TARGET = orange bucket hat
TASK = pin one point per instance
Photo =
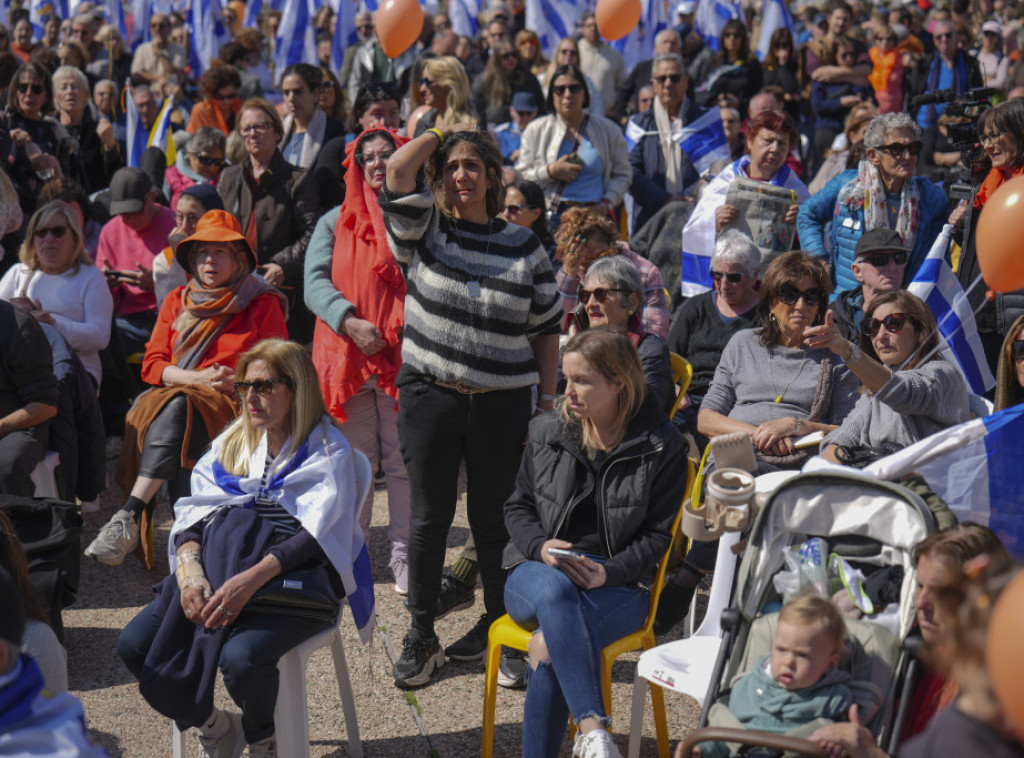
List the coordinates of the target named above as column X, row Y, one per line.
column 214, row 226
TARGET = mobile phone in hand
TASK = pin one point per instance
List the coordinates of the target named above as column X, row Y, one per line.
column 568, row 555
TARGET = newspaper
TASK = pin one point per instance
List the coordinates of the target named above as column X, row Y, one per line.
column 763, row 208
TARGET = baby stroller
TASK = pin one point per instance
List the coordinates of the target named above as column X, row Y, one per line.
column 871, row 524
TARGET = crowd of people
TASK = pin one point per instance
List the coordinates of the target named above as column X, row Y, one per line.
column 473, row 258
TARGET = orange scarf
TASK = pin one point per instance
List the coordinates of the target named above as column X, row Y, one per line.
column 993, row 181
column 364, row 269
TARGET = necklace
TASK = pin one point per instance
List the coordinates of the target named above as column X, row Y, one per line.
column 771, row 374
column 473, row 285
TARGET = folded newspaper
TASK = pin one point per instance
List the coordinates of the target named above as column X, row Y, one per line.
column 763, row 208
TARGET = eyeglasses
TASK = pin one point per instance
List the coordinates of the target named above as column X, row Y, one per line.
column 733, row 277
column 880, row 259
column 327, row 84
column 782, row 46
column 573, row 89
column 789, row 295
column 206, row 160
column 893, row 324
column 426, row 82
column 510, row 57
column 991, row 137
column 601, row 293
column 365, row 27
column 263, row 387
column 944, row 35
column 516, row 207
column 366, row 159
column 568, row 51
column 1018, row 349
column 256, row 129
column 224, row 98
column 57, row 232
column 25, row 88
column 897, row 149
column 674, row 78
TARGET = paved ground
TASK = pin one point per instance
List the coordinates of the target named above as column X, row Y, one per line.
column 443, row 719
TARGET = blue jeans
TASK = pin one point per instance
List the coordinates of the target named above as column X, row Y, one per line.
column 577, row 624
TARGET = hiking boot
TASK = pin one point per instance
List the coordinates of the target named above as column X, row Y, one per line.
column 595, row 744
column 455, row 595
column 673, row 605
column 473, row 644
column 512, row 668
column 264, row 748
column 116, row 539
column 228, row 745
column 419, row 660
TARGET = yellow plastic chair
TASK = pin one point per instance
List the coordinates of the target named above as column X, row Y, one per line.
column 682, row 375
column 506, row 632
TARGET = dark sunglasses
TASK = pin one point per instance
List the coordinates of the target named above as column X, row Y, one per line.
column 789, row 295
column 896, row 149
column 674, row 78
column 1018, row 349
column 57, row 232
column 510, row 56
column 893, row 324
column 425, row 82
column 601, row 293
column 263, row 387
column 363, row 159
column 206, row 160
column 327, row 84
column 365, row 26
column 783, row 46
column 227, row 97
column 516, row 207
column 880, row 259
column 37, row 89
column 735, row 278
column 574, row 89
column 946, row 35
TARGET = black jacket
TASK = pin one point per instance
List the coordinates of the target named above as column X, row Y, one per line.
column 641, row 486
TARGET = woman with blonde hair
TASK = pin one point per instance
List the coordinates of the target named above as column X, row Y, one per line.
column 58, row 284
column 445, row 88
column 504, row 75
column 528, row 45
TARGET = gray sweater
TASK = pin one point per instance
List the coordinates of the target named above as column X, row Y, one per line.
column 913, row 405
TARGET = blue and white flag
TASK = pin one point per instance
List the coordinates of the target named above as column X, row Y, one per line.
column 463, row 14
column 976, row 468
column 296, row 37
column 774, row 15
column 115, row 16
column 136, row 138
column 553, row 20
column 936, row 284
column 38, row 10
column 344, row 33
column 711, row 17
column 141, row 12
column 208, row 33
column 703, row 140
column 638, row 45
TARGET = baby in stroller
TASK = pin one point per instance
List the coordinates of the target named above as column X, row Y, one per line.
column 798, row 685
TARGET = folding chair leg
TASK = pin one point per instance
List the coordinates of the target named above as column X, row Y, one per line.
column 660, row 726
column 178, row 737
column 636, row 716
column 348, row 703
column 490, row 700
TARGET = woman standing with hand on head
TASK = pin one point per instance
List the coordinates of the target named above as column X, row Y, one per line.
column 481, row 330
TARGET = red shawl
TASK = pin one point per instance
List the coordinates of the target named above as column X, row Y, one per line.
column 994, row 181
column 364, row 269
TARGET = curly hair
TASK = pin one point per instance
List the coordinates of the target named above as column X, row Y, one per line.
column 583, row 222
column 790, row 268
column 486, row 147
column 217, row 78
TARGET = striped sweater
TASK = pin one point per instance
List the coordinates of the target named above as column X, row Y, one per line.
column 477, row 294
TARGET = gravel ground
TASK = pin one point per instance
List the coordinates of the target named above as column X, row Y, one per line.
column 442, row 719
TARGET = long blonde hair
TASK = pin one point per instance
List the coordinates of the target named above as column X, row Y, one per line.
column 447, row 71
column 27, row 254
column 290, row 361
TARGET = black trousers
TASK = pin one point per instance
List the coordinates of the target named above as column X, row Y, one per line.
column 438, row 427
column 161, row 447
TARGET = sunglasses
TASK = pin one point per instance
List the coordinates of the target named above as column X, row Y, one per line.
column 263, row 387
column 36, row 89
column 732, row 35
column 228, row 97
column 327, row 84
column 601, row 293
column 573, row 89
column 1018, row 349
column 789, row 295
column 530, row 42
column 206, row 160
column 735, row 278
column 365, row 159
column 946, row 35
column 674, row 78
column 516, row 207
column 256, row 128
column 365, row 27
column 510, row 57
column 57, row 232
column 426, row 82
column 880, row 259
column 886, row 39
column 893, row 324
column 897, row 149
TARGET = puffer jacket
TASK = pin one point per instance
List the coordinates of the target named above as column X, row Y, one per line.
column 641, row 489
column 848, row 226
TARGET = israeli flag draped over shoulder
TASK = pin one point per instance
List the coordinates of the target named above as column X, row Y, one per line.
column 703, row 141
column 936, row 284
column 711, row 17
column 774, row 15
column 309, row 485
column 699, row 233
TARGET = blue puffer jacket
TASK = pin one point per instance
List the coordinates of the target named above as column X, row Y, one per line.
column 848, row 226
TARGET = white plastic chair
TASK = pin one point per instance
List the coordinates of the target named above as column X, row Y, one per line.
column 291, row 714
column 686, row 666
column 44, row 476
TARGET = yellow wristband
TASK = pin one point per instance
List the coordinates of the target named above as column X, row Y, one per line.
column 439, row 134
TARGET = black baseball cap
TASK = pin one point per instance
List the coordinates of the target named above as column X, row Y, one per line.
column 880, row 241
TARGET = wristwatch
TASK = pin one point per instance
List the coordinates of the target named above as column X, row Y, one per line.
column 855, row 354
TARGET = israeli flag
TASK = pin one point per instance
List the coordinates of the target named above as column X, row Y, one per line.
column 344, row 33
column 208, row 33
column 704, row 140
column 936, row 284
column 141, row 12
column 40, row 9
column 137, row 139
column 635, row 133
column 296, row 38
column 976, row 468
column 774, row 15
column 463, row 14
column 711, row 17
column 553, row 20
column 639, row 43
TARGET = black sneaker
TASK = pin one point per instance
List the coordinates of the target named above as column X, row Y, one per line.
column 512, row 668
column 673, row 605
column 473, row 644
column 419, row 660
column 454, row 596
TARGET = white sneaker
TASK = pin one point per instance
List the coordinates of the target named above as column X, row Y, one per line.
column 116, row 539
column 230, row 745
column 595, row 744
column 400, row 569
column 264, row 748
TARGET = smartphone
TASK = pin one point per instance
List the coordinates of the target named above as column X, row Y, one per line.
column 582, row 319
column 569, row 555
column 574, row 158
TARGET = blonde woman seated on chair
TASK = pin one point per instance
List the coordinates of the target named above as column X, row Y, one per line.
column 605, row 430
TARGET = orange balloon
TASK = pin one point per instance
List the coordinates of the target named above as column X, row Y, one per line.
column 1002, row 655
column 398, row 23
column 617, row 18
column 1000, row 231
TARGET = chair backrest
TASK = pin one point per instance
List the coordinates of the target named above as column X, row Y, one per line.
column 682, row 374
column 659, row 579
column 364, row 478
column 721, row 586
